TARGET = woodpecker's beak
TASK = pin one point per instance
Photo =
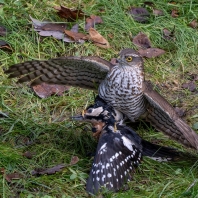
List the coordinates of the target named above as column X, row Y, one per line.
column 79, row 117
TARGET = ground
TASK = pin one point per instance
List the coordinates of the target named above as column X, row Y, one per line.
column 43, row 126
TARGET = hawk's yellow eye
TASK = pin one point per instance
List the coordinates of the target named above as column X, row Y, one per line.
column 129, row 58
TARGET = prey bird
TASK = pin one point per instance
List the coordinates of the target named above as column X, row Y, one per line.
column 122, row 86
column 119, row 150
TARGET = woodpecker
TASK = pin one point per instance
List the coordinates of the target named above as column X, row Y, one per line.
column 120, row 149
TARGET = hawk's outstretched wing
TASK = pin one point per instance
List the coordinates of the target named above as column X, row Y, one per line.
column 85, row 72
column 163, row 116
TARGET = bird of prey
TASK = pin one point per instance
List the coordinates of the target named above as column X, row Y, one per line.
column 119, row 148
column 122, row 86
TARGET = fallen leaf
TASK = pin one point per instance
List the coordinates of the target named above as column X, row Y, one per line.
column 29, row 154
column 96, row 19
column 191, row 86
column 45, row 90
column 3, row 31
column 180, row 112
column 9, row 177
column 46, row 28
column 69, row 14
column 74, row 28
column 157, row 12
column 5, row 46
column 174, row 13
column 48, row 171
column 151, row 52
column 193, row 24
column 139, row 14
column 47, row 25
column 142, row 41
column 91, row 21
column 74, row 160
column 169, row 35
column 54, row 27
column 98, row 39
column 76, row 36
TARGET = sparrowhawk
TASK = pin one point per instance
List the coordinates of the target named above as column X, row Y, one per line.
column 122, row 86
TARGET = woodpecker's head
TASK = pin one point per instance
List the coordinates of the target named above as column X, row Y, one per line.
column 99, row 115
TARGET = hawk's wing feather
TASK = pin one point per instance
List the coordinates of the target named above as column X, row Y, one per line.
column 85, row 72
column 163, row 116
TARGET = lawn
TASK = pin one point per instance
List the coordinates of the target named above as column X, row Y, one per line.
column 43, row 127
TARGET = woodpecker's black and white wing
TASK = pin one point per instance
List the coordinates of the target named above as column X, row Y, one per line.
column 85, row 72
column 113, row 164
column 163, row 116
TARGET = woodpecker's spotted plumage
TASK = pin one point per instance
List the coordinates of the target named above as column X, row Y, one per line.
column 119, row 149
column 122, row 86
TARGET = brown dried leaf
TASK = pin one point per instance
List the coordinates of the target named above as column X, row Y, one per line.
column 151, row 52
column 98, row 39
column 191, row 86
column 174, row 13
column 29, row 154
column 5, row 46
column 96, row 19
column 157, row 12
column 74, row 160
column 76, row 36
column 3, row 31
column 45, row 90
column 69, row 14
column 193, row 24
column 169, row 35
column 9, row 177
column 139, row 14
column 48, row 171
column 142, row 41
column 54, row 27
column 91, row 21
column 46, row 28
column 75, row 28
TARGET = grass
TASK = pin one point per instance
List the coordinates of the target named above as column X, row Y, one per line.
column 33, row 123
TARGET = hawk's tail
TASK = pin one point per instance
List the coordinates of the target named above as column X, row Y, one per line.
column 160, row 153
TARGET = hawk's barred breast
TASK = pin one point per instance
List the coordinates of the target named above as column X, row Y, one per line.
column 122, row 89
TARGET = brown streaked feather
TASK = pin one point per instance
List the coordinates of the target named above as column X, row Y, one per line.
column 85, row 72
column 163, row 116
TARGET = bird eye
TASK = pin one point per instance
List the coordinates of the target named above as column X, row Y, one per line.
column 129, row 58
column 90, row 110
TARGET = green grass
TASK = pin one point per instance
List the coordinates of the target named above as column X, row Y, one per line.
column 35, row 120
